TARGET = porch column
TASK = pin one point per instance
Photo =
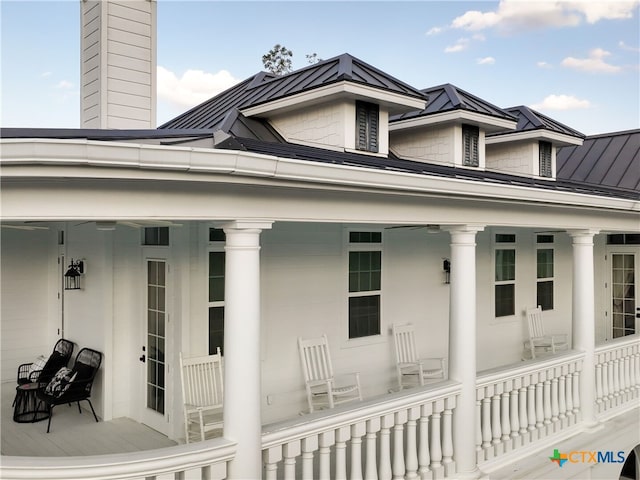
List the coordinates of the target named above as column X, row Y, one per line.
column 462, row 345
column 583, row 317
column 242, row 382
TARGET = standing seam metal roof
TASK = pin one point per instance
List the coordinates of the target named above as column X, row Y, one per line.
column 529, row 119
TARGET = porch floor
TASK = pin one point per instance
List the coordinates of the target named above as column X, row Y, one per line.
column 72, row 433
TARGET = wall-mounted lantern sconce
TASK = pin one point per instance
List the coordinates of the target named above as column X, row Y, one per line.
column 446, row 267
column 73, row 275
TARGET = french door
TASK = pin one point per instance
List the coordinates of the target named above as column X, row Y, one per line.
column 154, row 354
column 624, row 293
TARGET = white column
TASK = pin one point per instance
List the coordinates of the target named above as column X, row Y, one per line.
column 462, row 345
column 242, row 421
column 583, row 317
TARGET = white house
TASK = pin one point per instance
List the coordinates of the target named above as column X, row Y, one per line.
column 325, row 201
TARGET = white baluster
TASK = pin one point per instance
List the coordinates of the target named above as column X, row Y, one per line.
column 612, row 388
column 447, row 433
column 342, row 437
column 495, row 419
column 478, row 424
column 398, row 445
column 436, row 448
column 290, row 451
column 576, row 392
column 504, row 416
column 271, row 457
column 514, row 412
column 309, row 445
column 522, row 409
column 370, row 470
column 384, row 462
column 569, row 391
column 486, row 420
column 554, row 399
column 327, row 439
column 562, row 402
column 424, row 459
column 357, row 431
column 616, row 381
column 411, row 460
column 531, row 406
column 546, row 390
column 627, row 373
column 599, row 385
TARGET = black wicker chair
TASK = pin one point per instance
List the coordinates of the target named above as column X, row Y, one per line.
column 78, row 388
column 59, row 358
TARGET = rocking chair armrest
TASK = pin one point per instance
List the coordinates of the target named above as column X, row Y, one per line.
column 558, row 338
column 23, row 371
column 439, row 360
column 317, row 383
column 355, row 375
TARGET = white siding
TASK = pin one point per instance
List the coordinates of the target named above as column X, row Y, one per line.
column 512, row 157
column 432, row 145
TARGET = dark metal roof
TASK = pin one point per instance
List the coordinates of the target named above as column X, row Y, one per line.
column 529, row 119
column 265, row 87
column 447, row 97
column 393, row 163
column 610, row 160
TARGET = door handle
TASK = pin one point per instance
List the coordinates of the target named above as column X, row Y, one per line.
column 143, row 358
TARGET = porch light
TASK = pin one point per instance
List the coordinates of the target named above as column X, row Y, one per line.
column 73, row 275
column 446, row 267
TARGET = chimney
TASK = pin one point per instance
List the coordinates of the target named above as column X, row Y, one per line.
column 118, row 71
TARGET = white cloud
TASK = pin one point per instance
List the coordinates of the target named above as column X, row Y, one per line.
column 543, row 65
column 594, row 64
column 561, row 102
column 459, row 46
column 486, row 61
column 194, row 87
column 434, row 31
column 629, row 48
column 512, row 15
column 64, row 85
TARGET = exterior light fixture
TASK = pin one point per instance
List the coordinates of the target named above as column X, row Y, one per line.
column 446, row 267
column 73, row 275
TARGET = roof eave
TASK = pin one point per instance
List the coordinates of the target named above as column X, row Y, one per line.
column 487, row 122
column 558, row 139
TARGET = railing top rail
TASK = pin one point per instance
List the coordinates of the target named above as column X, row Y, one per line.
column 618, row 343
column 147, row 463
column 344, row 415
column 508, row 372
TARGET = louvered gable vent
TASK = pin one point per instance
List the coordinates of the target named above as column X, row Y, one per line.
column 367, row 125
column 470, row 138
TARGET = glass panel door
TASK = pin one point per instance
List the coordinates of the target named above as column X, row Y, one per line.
column 155, row 341
column 623, row 294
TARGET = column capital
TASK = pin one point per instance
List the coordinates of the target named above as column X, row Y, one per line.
column 582, row 233
column 467, row 228
column 246, row 225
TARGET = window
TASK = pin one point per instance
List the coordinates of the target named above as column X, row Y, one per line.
column 156, row 236
column 505, row 275
column 470, row 139
column 545, row 159
column 365, row 278
column 367, row 121
column 623, row 239
column 545, row 272
column 216, row 289
column 623, row 297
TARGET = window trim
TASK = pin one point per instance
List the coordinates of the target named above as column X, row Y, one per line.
column 504, row 245
column 361, row 247
column 546, row 246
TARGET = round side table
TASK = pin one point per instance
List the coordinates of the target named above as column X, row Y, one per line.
column 28, row 408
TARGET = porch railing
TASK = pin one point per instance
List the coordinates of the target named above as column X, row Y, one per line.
column 519, row 405
column 405, row 435
column 205, row 460
column 617, row 375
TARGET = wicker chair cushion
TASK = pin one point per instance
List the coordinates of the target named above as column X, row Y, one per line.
column 60, row 382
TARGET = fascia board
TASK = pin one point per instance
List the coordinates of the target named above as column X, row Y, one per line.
column 72, row 153
column 487, row 122
column 329, row 92
column 542, row 134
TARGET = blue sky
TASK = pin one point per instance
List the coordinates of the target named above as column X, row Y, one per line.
column 577, row 62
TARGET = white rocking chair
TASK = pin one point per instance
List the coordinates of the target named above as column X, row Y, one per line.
column 202, row 393
column 413, row 371
column 322, row 389
column 540, row 343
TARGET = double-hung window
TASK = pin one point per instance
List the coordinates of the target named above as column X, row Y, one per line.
column 367, row 126
column 545, row 159
column 505, row 275
column 215, row 275
column 365, row 283
column 544, row 271
column 470, row 141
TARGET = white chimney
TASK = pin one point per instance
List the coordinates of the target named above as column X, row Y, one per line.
column 118, row 57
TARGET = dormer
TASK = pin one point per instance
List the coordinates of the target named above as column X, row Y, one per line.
column 340, row 104
column 530, row 150
column 450, row 130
